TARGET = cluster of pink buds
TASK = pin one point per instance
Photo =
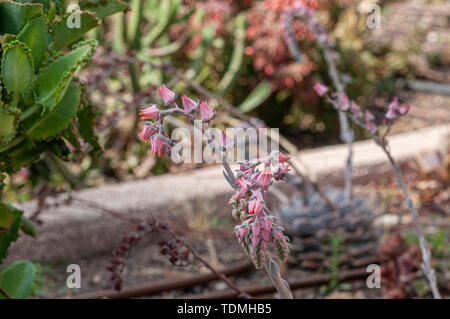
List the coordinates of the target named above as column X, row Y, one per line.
column 364, row 119
column 259, row 230
column 153, row 116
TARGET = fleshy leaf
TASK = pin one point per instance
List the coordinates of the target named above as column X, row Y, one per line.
column 34, row 36
column 14, row 16
column 62, row 35
column 27, row 227
column 5, row 217
column 56, row 120
column 9, row 236
column 107, row 9
column 17, row 280
column 86, row 124
column 6, row 124
column 54, row 79
column 17, row 67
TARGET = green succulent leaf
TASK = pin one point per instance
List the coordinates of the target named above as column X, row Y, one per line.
column 17, row 68
column 62, row 35
column 107, row 9
column 17, row 280
column 27, row 227
column 86, row 125
column 14, row 15
column 6, row 124
column 259, row 94
column 55, row 121
column 23, row 155
column 54, row 79
column 34, row 36
column 10, row 235
column 6, row 218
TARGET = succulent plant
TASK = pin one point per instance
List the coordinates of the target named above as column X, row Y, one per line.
column 42, row 103
column 313, row 226
column 40, row 97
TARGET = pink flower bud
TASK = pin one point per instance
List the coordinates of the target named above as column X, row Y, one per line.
column 404, row 109
column 225, row 141
column 265, row 178
column 206, row 113
column 356, row 110
column 146, row 133
column 243, row 183
column 320, row 89
column 345, row 103
column 391, row 114
column 372, row 128
column 167, row 95
column 189, row 105
column 394, row 104
column 158, row 146
column 284, row 169
column 282, row 158
column 369, row 116
column 150, row 113
column 254, row 207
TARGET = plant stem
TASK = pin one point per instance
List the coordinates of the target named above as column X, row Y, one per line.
column 4, row 293
column 280, row 284
column 426, row 254
column 28, row 112
column 347, row 135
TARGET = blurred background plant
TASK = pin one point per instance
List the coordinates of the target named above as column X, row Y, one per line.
column 234, row 49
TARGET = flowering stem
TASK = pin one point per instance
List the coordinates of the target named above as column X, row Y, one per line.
column 347, row 135
column 280, row 284
column 426, row 254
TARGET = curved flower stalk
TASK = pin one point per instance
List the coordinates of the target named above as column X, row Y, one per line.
column 378, row 132
column 299, row 10
column 259, row 232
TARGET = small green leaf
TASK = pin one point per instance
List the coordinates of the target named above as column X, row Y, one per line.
column 34, row 36
column 256, row 97
column 27, row 227
column 86, row 125
column 9, row 236
column 17, row 280
column 55, row 121
column 62, row 35
column 17, row 68
column 54, row 79
column 111, row 7
column 6, row 124
column 6, row 218
column 14, row 16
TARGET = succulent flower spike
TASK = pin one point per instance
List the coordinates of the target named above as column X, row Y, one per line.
column 189, row 105
column 167, row 95
column 206, row 113
column 150, row 113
